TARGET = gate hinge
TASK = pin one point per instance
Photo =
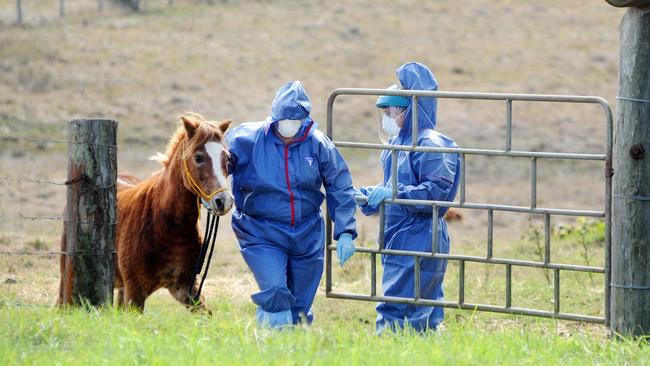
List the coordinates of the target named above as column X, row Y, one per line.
column 609, row 171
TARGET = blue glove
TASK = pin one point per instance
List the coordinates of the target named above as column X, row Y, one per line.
column 378, row 195
column 344, row 248
column 363, row 192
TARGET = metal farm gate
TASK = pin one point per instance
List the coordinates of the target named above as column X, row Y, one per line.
column 534, row 157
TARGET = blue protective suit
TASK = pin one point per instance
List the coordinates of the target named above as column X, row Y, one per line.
column 421, row 176
column 277, row 217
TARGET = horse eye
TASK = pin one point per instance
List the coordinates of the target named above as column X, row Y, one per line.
column 198, row 159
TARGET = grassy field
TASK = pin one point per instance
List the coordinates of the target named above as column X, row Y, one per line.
column 31, row 332
column 168, row 335
column 225, row 59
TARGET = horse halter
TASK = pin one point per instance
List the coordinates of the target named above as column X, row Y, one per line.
column 196, row 189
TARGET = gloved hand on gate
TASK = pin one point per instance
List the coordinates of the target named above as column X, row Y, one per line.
column 344, row 248
column 360, row 193
column 363, row 192
column 378, row 195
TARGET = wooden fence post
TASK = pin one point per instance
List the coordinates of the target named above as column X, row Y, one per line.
column 88, row 268
column 19, row 11
column 61, row 8
column 630, row 258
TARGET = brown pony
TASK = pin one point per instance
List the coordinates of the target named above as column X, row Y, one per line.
column 158, row 239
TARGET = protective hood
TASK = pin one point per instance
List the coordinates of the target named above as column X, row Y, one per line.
column 415, row 76
column 291, row 102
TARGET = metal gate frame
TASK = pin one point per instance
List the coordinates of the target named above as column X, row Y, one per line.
column 488, row 258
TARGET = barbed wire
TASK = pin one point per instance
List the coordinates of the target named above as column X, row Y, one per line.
column 65, row 183
column 83, row 177
column 6, row 137
column 56, row 253
column 23, row 217
column 53, row 218
column 32, row 180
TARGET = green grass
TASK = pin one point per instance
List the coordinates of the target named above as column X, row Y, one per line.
column 170, row 335
column 343, row 333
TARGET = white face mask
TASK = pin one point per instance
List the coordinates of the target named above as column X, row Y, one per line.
column 289, row 127
column 389, row 124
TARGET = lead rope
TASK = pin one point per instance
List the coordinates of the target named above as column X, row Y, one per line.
column 211, row 227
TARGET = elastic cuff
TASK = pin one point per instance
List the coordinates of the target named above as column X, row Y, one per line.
column 274, row 299
column 353, row 235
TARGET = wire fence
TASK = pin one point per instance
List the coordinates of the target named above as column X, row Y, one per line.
column 28, row 259
column 6, row 138
column 25, row 253
column 24, row 8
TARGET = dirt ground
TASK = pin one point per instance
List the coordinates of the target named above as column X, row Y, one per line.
column 225, row 59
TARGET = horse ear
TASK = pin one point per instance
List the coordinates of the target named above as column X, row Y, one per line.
column 190, row 126
column 223, row 126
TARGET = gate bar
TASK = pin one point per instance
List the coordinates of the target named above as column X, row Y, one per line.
column 373, row 274
column 484, row 152
column 485, row 206
column 328, row 254
column 468, row 306
column 533, row 182
column 382, row 223
column 434, row 229
column 416, row 281
column 393, row 172
column 414, row 121
column 461, row 281
column 490, row 233
column 462, row 178
column 471, row 258
column 466, row 95
column 556, row 291
column 508, row 286
column 508, row 124
column 547, row 238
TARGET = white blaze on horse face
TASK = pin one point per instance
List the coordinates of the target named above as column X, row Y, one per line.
column 215, row 150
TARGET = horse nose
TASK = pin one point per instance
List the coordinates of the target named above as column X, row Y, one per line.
column 221, row 203
column 218, row 204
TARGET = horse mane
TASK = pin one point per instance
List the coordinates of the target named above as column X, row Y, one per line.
column 204, row 131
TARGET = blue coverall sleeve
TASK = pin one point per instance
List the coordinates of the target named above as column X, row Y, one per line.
column 240, row 142
column 338, row 188
column 436, row 173
column 365, row 208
